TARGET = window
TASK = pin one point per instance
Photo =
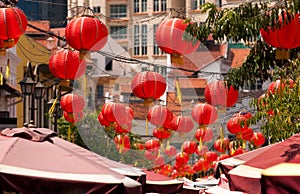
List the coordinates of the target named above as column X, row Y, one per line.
column 108, row 64
column 97, row 9
column 155, row 5
column 196, row 4
column 156, row 49
column 99, row 91
column 162, row 3
column 144, row 39
column 144, row 5
column 118, row 32
column 140, row 40
column 138, row 4
column 136, row 50
column 118, row 11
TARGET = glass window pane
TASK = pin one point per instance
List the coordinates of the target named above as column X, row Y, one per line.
column 163, row 5
column 118, row 11
column 136, row 5
column 155, row 5
column 144, row 5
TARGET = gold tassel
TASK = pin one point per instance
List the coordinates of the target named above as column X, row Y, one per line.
column 7, row 71
column 178, row 91
column 52, row 107
column 69, row 133
column 1, row 79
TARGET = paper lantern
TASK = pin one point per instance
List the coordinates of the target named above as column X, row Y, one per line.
column 159, row 115
column 149, row 86
column 217, row 94
column 204, row 114
column 13, row 24
column 66, row 64
column 73, row 117
column 287, row 36
column 170, row 36
column 72, row 103
column 86, row 34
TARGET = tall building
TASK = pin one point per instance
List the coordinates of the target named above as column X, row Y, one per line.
column 54, row 11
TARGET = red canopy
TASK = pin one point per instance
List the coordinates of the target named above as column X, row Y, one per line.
column 275, row 167
column 35, row 160
column 159, row 183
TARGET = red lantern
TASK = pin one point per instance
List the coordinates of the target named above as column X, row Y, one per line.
column 149, row 86
column 138, row 146
column 287, row 36
column 151, row 155
column 86, row 34
column 204, row 114
column 160, row 116
column 116, row 112
column 72, row 103
column 278, row 86
column 216, row 93
column 161, row 133
column 258, row 139
column 159, row 161
column 201, row 150
column 102, row 120
column 182, row 158
column 201, row 165
column 223, row 157
column 125, row 128
column 247, row 134
column 189, row 147
column 170, row 151
column 234, row 124
column 169, row 38
column 222, row 144
column 204, row 134
column 261, row 103
column 182, row 124
column 13, row 24
column 122, row 140
column 211, row 156
column 152, row 145
column 66, row 64
column 73, row 117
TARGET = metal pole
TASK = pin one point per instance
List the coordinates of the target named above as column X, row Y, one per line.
column 32, row 108
column 24, row 108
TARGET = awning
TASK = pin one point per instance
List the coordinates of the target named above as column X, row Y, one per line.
column 13, row 92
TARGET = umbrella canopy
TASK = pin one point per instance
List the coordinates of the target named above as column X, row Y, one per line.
column 263, row 169
column 228, row 164
column 35, row 160
column 158, row 183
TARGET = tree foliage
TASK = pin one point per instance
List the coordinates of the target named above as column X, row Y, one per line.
column 243, row 24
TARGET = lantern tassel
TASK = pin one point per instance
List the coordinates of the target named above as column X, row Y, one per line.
column 7, row 70
column 69, row 133
column 1, row 79
column 178, row 91
column 147, row 130
column 52, row 107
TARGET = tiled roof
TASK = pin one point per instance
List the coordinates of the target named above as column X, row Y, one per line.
column 192, row 83
column 199, row 59
column 237, row 56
